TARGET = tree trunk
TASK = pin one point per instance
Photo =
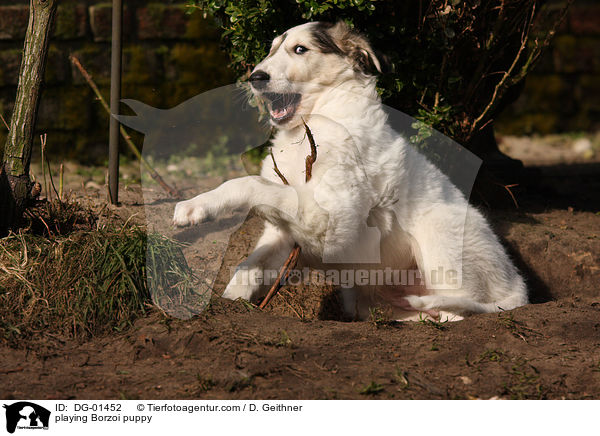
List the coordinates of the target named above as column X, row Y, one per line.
column 15, row 184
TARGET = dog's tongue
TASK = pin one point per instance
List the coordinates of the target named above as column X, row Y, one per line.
column 280, row 112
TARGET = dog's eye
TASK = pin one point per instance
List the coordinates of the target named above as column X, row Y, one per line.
column 300, row 49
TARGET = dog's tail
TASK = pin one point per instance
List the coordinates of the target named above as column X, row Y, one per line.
column 463, row 305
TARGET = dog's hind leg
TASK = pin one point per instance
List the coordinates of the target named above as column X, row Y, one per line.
column 461, row 305
column 464, row 265
column 261, row 266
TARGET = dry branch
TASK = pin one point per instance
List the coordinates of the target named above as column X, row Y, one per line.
column 312, row 157
column 284, row 272
column 174, row 193
column 511, row 77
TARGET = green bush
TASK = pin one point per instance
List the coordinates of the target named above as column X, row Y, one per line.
column 454, row 64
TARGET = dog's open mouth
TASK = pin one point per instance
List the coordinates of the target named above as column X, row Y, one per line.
column 282, row 106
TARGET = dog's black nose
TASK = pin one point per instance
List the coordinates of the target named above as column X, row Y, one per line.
column 259, row 79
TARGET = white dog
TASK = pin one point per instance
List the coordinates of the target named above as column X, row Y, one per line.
column 372, row 201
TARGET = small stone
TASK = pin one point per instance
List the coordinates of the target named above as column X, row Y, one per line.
column 466, row 380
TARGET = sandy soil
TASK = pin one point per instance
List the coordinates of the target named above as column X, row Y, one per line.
column 300, row 348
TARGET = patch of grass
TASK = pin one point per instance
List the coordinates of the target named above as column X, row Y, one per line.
column 372, row 389
column 284, row 340
column 524, row 383
column 492, row 356
column 522, row 378
column 517, row 329
column 376, row 315
column 246, row 304
column 170, row 280
column 439, row 325
column 56, row 217
column 206, row 382
column 381, row 317
column 508, row 320
column 88, row 282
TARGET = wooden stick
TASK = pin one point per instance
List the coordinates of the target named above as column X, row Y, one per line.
column 292, row 259
column 312, row 157
column 284, row 272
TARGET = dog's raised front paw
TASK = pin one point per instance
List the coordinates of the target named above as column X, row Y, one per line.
column 189, row 212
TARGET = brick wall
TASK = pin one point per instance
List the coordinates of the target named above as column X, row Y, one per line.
column 563, row 92
column 168, row 57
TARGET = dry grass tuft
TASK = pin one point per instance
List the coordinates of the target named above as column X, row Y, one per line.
column 89, row 282
column 55, row 217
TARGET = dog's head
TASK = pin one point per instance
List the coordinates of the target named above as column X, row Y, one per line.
column 303, row 62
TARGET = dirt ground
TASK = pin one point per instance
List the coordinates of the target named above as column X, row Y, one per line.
column 300, row 348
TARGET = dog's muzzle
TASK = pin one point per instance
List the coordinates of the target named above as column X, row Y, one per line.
column 259, row 79
column 281, row 106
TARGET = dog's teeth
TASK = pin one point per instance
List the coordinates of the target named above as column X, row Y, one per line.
column 280, row 113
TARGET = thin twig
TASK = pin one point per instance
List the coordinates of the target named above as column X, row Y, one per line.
column 276, row 169
column 153, row 173
column 43, row 150
column 43, row 138
column 34, row 216
column 60, row 181
column 292, row 307
column 509, row 79
column 535, row 54
column 500, row 85
column 507, row 187
column 4, row 121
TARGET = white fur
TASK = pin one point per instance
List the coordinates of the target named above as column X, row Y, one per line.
column 363, row 169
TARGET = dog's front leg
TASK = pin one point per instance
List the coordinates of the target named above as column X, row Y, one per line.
column 243, row 193
column 261, row 267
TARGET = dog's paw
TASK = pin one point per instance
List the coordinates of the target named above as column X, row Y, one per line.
column 190, row 212
column 418, row 302
column 243, row 284
column 233, row 292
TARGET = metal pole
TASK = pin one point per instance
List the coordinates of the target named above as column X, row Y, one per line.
column 115, row 97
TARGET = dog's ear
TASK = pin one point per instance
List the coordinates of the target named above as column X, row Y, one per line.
column 357, row 49
column 365, row 60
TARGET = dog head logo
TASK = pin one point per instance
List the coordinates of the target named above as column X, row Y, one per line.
column 26, row 415
column 219, row 117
